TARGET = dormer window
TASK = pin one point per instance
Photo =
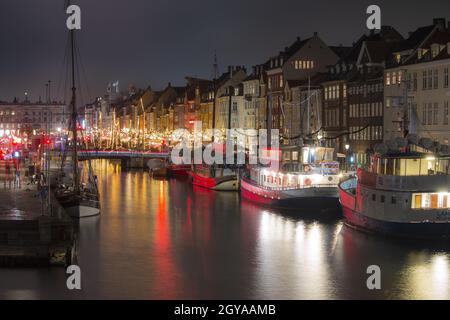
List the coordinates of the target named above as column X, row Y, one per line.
column 421, row 52
column 435, row 49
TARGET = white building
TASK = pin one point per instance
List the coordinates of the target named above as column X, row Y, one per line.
column 32, row 118
column 416, row 90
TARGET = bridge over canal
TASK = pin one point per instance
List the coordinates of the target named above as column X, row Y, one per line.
column 129, row 159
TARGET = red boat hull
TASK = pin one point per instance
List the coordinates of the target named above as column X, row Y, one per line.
column 226, row 183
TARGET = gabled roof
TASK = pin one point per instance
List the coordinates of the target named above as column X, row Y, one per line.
column 341, row 51
column 415, row 38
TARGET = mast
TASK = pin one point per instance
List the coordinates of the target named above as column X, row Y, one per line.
column 216, row 74
column 76, row 177
column 308, row 111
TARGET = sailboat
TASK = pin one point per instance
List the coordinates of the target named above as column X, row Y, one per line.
column 78, row 200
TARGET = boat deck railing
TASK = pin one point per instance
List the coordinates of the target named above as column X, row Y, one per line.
column 290, row 187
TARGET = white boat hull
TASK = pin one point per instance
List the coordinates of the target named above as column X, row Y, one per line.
column 82, row 211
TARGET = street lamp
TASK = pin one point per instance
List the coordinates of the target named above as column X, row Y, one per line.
column 347, row 146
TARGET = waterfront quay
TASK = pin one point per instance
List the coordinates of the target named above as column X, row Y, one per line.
column 30, row 234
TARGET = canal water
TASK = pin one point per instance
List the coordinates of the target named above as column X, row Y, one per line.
column 164, row 239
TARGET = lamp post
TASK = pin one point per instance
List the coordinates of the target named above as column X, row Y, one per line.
column 347, row 147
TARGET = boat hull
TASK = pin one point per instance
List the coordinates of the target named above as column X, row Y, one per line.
column 397, row 229
column 178, row 170
column 226, row 183
column 323, row 199
column 78, row 207
column 349, row 191
column 82, row 211
column 159, row 172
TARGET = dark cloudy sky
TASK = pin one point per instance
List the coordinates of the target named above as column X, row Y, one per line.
column 145, row 42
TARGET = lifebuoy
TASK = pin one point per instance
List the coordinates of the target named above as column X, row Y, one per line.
column 308, row 181
column 307, row 168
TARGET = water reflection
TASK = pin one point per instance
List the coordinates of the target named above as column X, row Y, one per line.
column 164, row 239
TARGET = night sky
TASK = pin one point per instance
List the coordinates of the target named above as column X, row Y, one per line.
column 152, row 42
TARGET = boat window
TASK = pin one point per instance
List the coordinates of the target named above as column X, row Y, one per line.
column 430, row 200
column 412, row 167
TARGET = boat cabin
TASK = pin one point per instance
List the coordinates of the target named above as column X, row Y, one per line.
column 410, row 164
column 300, row 167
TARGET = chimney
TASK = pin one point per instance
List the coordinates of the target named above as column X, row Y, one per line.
column 440, row 22
column 315, row 34
column 299, row 39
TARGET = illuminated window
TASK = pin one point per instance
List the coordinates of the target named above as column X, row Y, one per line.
column 430, row 200
column 388, row 78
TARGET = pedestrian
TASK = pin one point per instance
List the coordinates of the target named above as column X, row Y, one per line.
column 8, row 174
column 17, row 180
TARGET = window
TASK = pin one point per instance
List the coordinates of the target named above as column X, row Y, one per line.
column 436, row 79
column 430, row 113
column 393, row 200
column 424, row 80
column 382, row 198
column 408, row 81
column 388, row 78
column 415, row 81
column 430, row 200
column 446, row 78
column 430, row 79
column 445, row 112
column 435, row 113
column 303, row 64
column 424, row 114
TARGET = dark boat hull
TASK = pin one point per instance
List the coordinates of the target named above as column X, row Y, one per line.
column 325, row 200
column 178, row 170
column 420, row 230
column 79, row 207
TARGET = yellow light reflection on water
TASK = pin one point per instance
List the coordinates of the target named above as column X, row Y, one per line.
column 427, row 279
column 288, row 247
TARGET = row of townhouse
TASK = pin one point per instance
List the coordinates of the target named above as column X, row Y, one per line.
column 349, row 97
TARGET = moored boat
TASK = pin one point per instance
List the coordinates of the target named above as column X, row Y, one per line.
column 304, row 181
column 78, row 200
column 404, row 194
column 219, row 177
column 175, row 170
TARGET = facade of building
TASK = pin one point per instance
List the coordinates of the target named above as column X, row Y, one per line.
column 228, row 83
column 32, row 118
column 302, row 60
column 416, row 89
